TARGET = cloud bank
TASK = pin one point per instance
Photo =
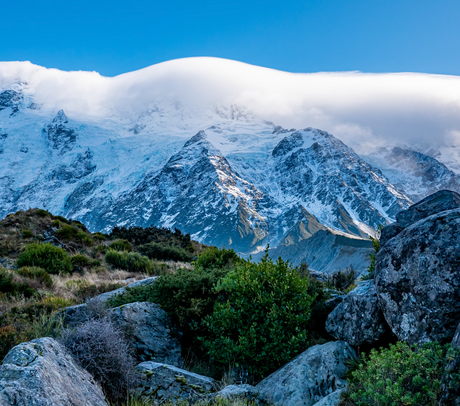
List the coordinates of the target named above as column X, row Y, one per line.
column 364, row 110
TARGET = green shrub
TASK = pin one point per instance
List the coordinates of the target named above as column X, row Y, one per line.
column 80, row 260
column 319, row 310
column 213, row 257
column 165, row 252
column 42, row 213
column 130, row 261
column 34, row 272
column 53, row 259
column 100, row 236
column 401, row 375
column 122, row 245
column 67, row 231
column 84, row 238
column 61, row 219
column 11, row 288
column 187, row 295
column 263, row 323
column 27, row 234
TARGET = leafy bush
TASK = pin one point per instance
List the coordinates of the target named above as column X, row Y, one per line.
column 213, row 257
column 39, row 274
column 61, row 219
column 101, row 348
column 80, row 260
column 401, row 375
column 99, row 236
column 165, row 252
column 27, row 234
column 67, row 231
column 187, row 295
column 11, row 288
column 122, row 245
column 130, row 261
column 42, row 213
column 319, row 310
column 139, row 235
column 84, row 238
column 53, row 259
column 264, row 321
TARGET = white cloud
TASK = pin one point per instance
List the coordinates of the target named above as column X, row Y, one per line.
column 364, row 110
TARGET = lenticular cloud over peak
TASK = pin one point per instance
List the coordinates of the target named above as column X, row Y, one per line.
column 365, row 110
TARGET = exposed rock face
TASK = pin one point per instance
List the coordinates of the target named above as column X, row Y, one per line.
column 42, row 373
column 60, row 135
column 75, row 315
column 435, row 203
column 245, row 391
column 331, row 400
column 456, row 339
column 390, row 231
column 327, row 252
column 308, row 378
column 150, row 332
column 161, row 382
column 358, row 318
column 417, row 272
column 10, row 98
column 104, row 297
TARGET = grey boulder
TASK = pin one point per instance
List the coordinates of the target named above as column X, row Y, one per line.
column 310, row 377
column 150, row 332
column 161, row 382
column 433, row 204
column 417, row 279
column 42, row 373
column 104, row 297
column 358, row 318
column 331, row 400
column 244, row 391
column 74, row 315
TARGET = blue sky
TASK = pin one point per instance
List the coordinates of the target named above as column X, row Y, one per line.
column 114, row 37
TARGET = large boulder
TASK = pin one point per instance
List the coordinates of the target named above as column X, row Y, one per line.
column 433, row 204
column 309, row 377
column 104, row 297
column 417, row 277
column 331, row 400
column 42, row 373
column 150, row 332
column 234, row 392
column 161, row 382
column 358, row 318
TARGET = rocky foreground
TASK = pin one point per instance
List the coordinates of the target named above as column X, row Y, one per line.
column 414, row 297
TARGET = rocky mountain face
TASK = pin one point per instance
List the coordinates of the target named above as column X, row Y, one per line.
column 238, row 181
column 417, row 175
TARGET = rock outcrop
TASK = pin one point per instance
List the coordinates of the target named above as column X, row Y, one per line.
column 161, row 382
column 244, row 391
column 417, row 274
column 150, row 332
column 104, row 297
column 331, row 400
column 358, row 318
column 310, row 377
column 42, row 373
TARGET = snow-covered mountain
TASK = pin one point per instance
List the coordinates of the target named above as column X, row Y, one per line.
column 143, row 149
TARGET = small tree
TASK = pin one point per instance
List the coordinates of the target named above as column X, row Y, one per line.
column 264, row 321
column 376, row 244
